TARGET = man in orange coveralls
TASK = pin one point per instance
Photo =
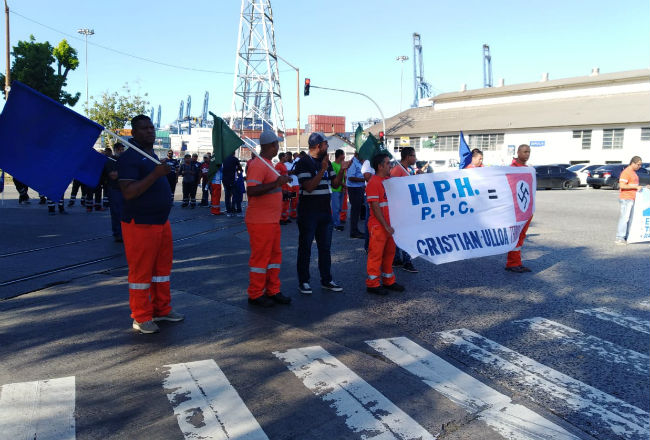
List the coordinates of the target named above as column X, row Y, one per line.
column 381, row 247
column 281, row 168
column 146, row 231
column 263, row 224
column 513, row 263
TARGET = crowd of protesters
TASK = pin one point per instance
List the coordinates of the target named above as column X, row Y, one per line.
column 320, row 195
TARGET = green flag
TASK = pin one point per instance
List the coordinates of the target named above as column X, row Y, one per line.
column 358, row 138
column 224, row 143
column 369, row 148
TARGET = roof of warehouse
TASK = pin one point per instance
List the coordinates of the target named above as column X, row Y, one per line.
column 580, row 111
column 549, row 85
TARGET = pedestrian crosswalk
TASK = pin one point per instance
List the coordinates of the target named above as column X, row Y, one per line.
column 533, row 401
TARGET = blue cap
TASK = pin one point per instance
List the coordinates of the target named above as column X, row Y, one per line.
column 315, row 139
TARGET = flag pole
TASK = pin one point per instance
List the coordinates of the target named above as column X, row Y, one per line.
column 130, row 145
column 256, row 154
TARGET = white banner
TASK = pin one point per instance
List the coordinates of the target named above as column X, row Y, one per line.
column 640, row 226
column 462, row 214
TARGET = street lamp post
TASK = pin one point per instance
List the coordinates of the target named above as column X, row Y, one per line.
column 85, row 32
column 298, row 97
column 401, row 58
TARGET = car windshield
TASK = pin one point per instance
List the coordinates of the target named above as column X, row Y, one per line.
column 575, row 167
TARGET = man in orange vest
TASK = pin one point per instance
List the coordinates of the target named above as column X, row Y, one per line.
column 513, row 263
column 263, row 224
column 628, row 183
column 381, row 246
column 281, row 168
column 146, row 231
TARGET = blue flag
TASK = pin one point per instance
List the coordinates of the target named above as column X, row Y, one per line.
column 464, row 153
column 91, row 169
column 43, row 143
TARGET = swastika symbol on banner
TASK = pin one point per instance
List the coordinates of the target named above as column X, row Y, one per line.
column 523, row 195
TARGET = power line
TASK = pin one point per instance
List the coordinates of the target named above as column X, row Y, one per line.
column 120, row 52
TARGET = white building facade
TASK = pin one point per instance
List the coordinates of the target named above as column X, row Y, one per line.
column 599, row 119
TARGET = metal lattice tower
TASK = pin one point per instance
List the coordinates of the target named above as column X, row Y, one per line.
column 421, row 88
column 487, row 66
column 256, row 101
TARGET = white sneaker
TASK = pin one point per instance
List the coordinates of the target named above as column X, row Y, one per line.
column 304, row 288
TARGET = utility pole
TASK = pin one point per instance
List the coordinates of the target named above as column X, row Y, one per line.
column 85, row 32
column 401, row 58
column 7, row 76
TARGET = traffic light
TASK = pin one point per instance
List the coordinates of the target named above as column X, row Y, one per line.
column 381, row 137
column 307, row 82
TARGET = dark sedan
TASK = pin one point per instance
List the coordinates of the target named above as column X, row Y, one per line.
column 608, row 175
column 555, row 176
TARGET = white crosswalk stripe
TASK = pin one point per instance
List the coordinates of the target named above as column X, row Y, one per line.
column 512, row 421
column 631, row 322
column 606, row 351
column 206, row 405
column 42, row 410
column 365, row 409
column 562, row 394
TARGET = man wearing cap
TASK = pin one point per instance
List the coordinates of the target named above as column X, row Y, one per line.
column 263, row 224
column 316, row 177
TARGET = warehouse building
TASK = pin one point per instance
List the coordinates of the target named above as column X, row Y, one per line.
column 599, row 118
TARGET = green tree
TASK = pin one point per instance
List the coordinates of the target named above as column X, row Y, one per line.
column 33, row 66
column 115, row 110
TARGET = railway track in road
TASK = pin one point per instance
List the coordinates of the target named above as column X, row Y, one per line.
column 90, row 262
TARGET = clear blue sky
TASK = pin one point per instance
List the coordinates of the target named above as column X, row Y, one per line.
column 339, row 44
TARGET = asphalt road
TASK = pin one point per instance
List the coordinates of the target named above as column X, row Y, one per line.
column 469, row 351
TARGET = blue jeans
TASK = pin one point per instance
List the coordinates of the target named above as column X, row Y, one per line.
column 314, row 225
column 337, row 203
column 115, row 204
column 229, row 189
column 624, row 218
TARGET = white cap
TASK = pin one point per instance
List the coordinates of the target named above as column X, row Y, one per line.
column 268, row 137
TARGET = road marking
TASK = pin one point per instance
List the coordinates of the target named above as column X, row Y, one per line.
column 206, row 405
column 605, row 350
column 630, row 322
column 512, row 421
column 563, row 395
column 365, row 409
column 42, row 410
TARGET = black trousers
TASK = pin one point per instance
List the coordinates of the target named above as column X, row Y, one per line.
column 355, row 195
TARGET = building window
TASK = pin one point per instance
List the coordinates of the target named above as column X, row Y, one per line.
column 585, row 135
column 415, row 143
column 613, row 139
column 645, row 133
column 446, row 143
column 486, row 142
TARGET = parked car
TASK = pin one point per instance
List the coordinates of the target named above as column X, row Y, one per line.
column 582, row 170
column 554, row 176
column 608, row 175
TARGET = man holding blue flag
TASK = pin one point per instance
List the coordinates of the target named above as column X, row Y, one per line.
column 146, row 230
column 465, row 155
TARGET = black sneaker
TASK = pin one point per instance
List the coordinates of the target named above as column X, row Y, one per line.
column 339, row 228
column 262, row 301
column 408, row 267
column 377, row 290
column 71, row 203
column 304, row 288
column 280, row 298
column 357, row 235
column 394, row 287
column 332, row 286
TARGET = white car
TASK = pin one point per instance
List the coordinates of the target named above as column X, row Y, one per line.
column 582, row 170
